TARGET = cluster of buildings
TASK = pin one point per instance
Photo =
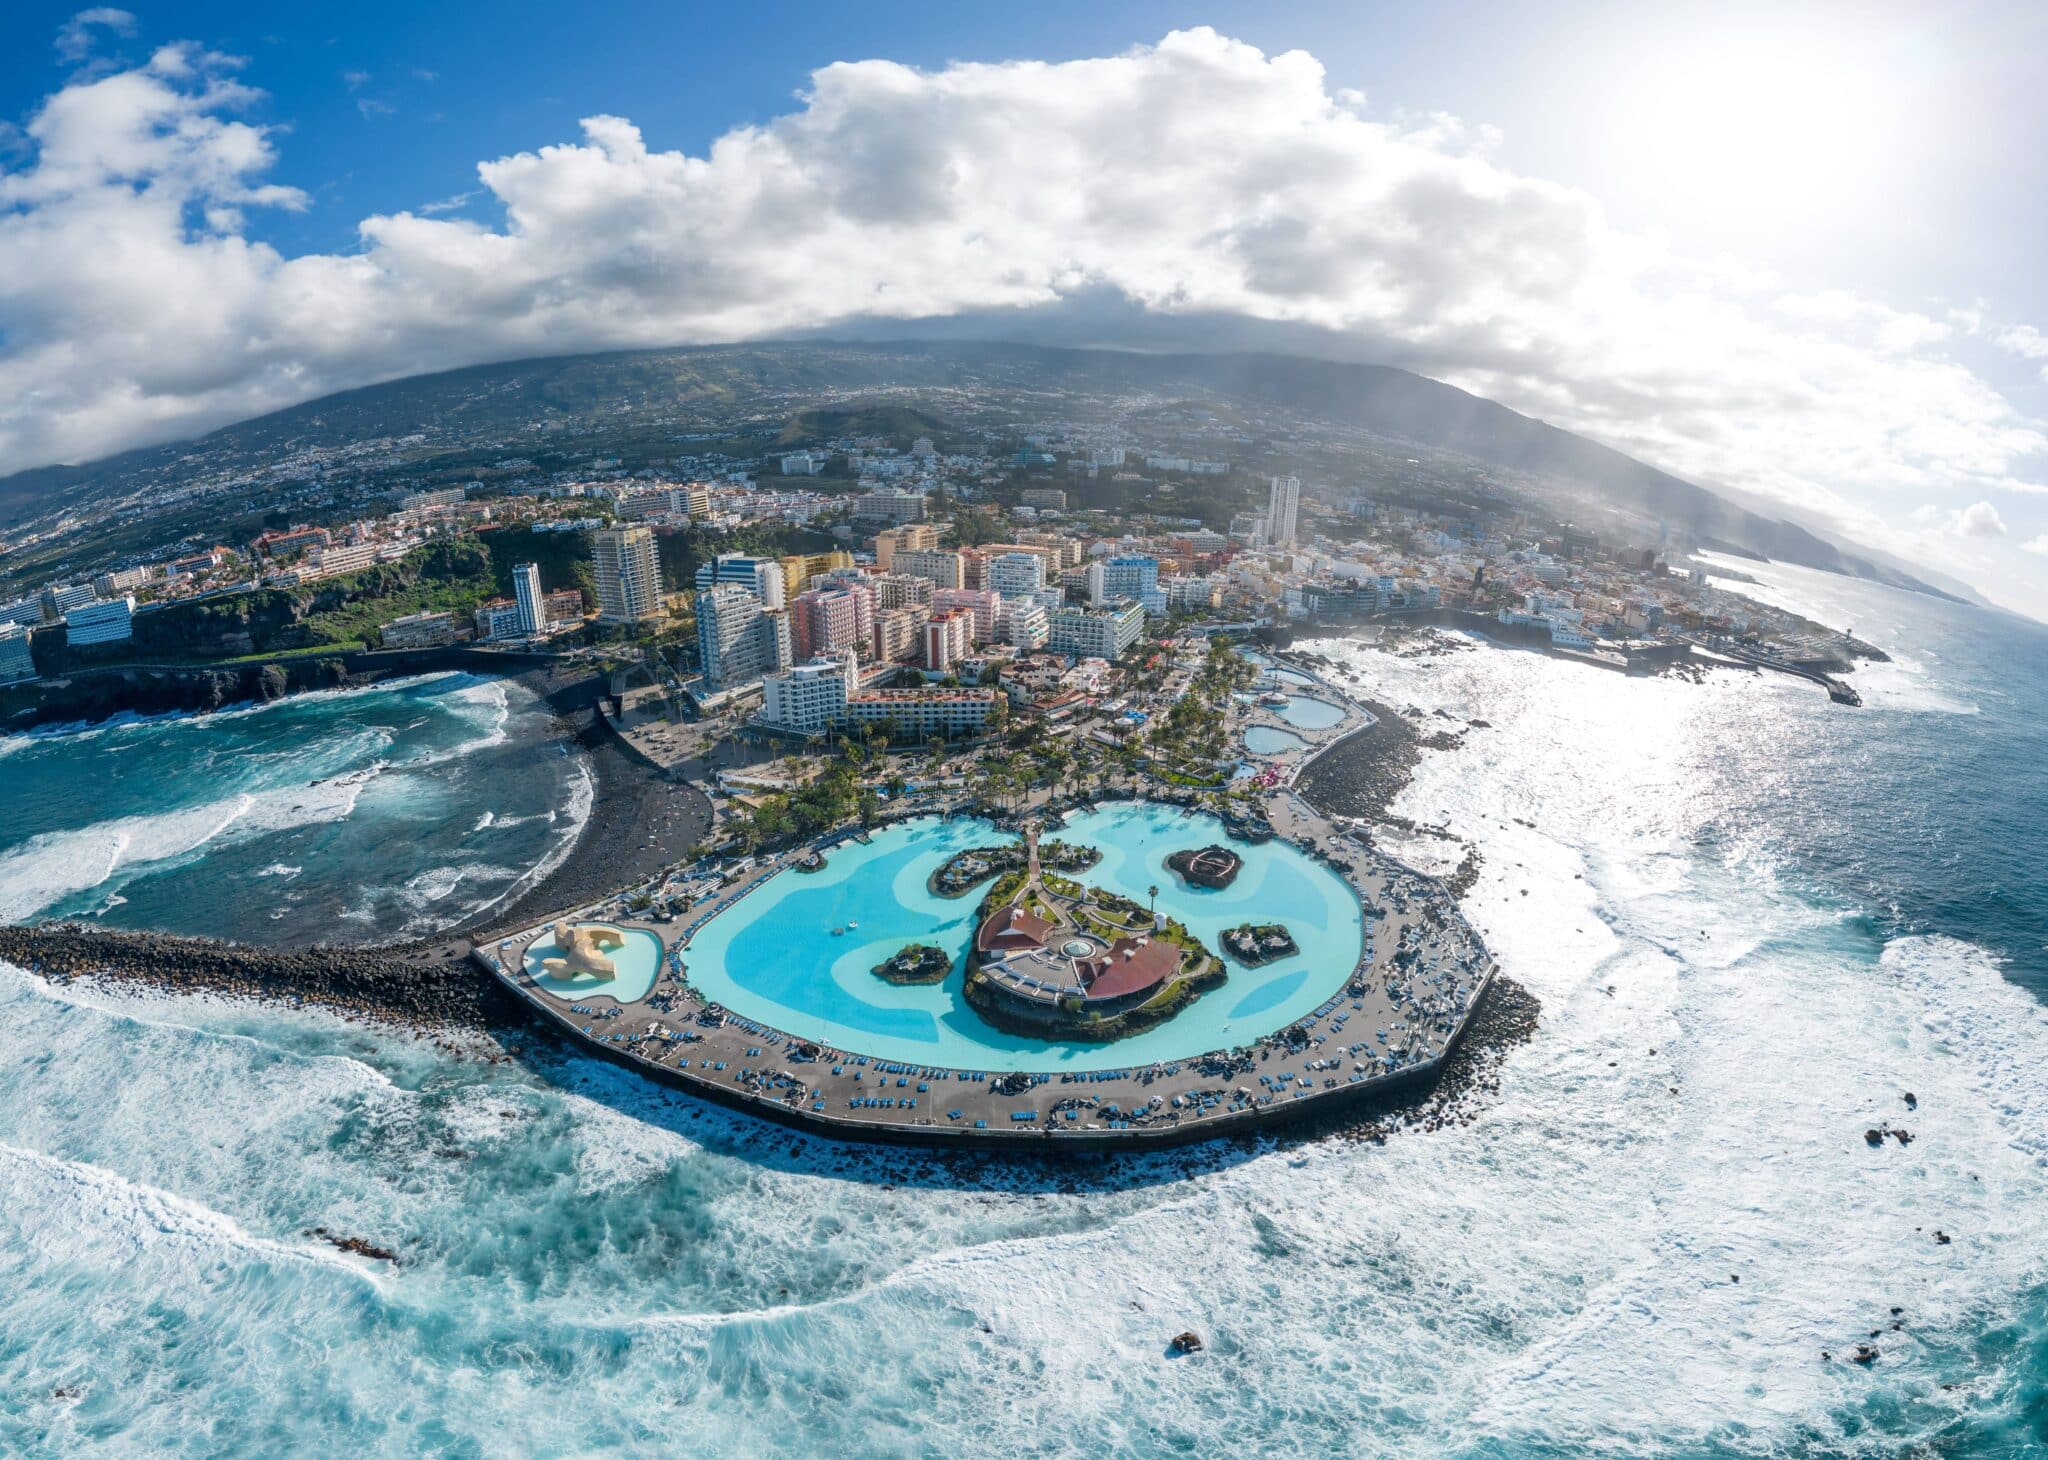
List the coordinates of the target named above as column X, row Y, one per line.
column 903, row 596
column 818, row 634
column 88, row 617
column 532, row 613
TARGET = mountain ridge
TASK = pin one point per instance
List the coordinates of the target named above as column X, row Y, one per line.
column 500, row 401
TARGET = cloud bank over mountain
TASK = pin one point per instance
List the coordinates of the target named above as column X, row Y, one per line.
column 1194, row 179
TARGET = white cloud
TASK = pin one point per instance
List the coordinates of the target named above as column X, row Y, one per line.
column 2036, row 545
column 454, row 203
column 75, row 38
column 1193, row 181
column 2025, row 341
column 1980, row 519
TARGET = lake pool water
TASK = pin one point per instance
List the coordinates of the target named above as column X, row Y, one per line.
column 774, row 957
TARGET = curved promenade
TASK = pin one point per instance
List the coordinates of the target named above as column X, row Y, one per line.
column 1391, row 1025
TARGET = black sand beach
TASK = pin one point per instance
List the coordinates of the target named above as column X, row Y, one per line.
column 640, row 821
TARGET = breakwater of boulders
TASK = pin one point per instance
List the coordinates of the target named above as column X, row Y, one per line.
column 1468, row 1083
column 415, row 986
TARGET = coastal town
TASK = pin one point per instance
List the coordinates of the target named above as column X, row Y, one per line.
column 834, row 654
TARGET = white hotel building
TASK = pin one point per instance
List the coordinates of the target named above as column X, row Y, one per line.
column 533, row 611
column 920, row 714
column 809, row 699
column 1096, row 633
column 15, row 661
column 108, row 621
column 1283, row 505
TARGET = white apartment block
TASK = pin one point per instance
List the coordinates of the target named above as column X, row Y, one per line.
column 533, row 606
column 738, row 641
column 423, row 630
column 107, row 585
column 1096, row 633
column 16, row 663
column 1283, row 504
column 441, row 497
column 1015, row 575
column 1023, row 624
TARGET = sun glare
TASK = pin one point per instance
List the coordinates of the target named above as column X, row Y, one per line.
column 1756, row 127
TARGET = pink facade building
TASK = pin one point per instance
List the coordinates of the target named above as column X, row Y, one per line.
column 830, row 621
column 983, row 603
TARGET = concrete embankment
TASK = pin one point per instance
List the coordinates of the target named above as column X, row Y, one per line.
column 418, row 987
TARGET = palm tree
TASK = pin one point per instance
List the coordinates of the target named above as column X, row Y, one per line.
column 1152, row 892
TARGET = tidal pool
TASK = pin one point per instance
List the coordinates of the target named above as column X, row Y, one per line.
column 775, row 958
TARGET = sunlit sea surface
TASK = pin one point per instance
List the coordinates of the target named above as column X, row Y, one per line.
column 1755, row 921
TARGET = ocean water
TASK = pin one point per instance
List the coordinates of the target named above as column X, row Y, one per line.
column 359, row 816
column 1755, row 921
column 774, row 957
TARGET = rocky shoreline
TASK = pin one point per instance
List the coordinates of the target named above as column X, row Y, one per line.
column 1506, row 1017
column 640, row 821
column 1362, row 774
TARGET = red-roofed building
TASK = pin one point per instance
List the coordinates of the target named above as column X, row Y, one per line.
column 1132, row 966
column 1012, row 929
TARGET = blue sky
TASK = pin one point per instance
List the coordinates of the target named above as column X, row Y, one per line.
column 1790, row 250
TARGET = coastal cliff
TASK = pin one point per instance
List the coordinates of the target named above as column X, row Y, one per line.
column 169, row 689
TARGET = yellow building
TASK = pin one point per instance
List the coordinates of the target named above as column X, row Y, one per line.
column 799, row 568
column 912, row 537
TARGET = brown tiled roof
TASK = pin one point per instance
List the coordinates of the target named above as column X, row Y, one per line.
column 1131, row 967
column 1016, row 926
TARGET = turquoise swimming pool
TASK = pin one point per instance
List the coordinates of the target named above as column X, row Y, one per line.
column 1271, row 740
column 774, row 956
column 637, row 960
column 1311, row 713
